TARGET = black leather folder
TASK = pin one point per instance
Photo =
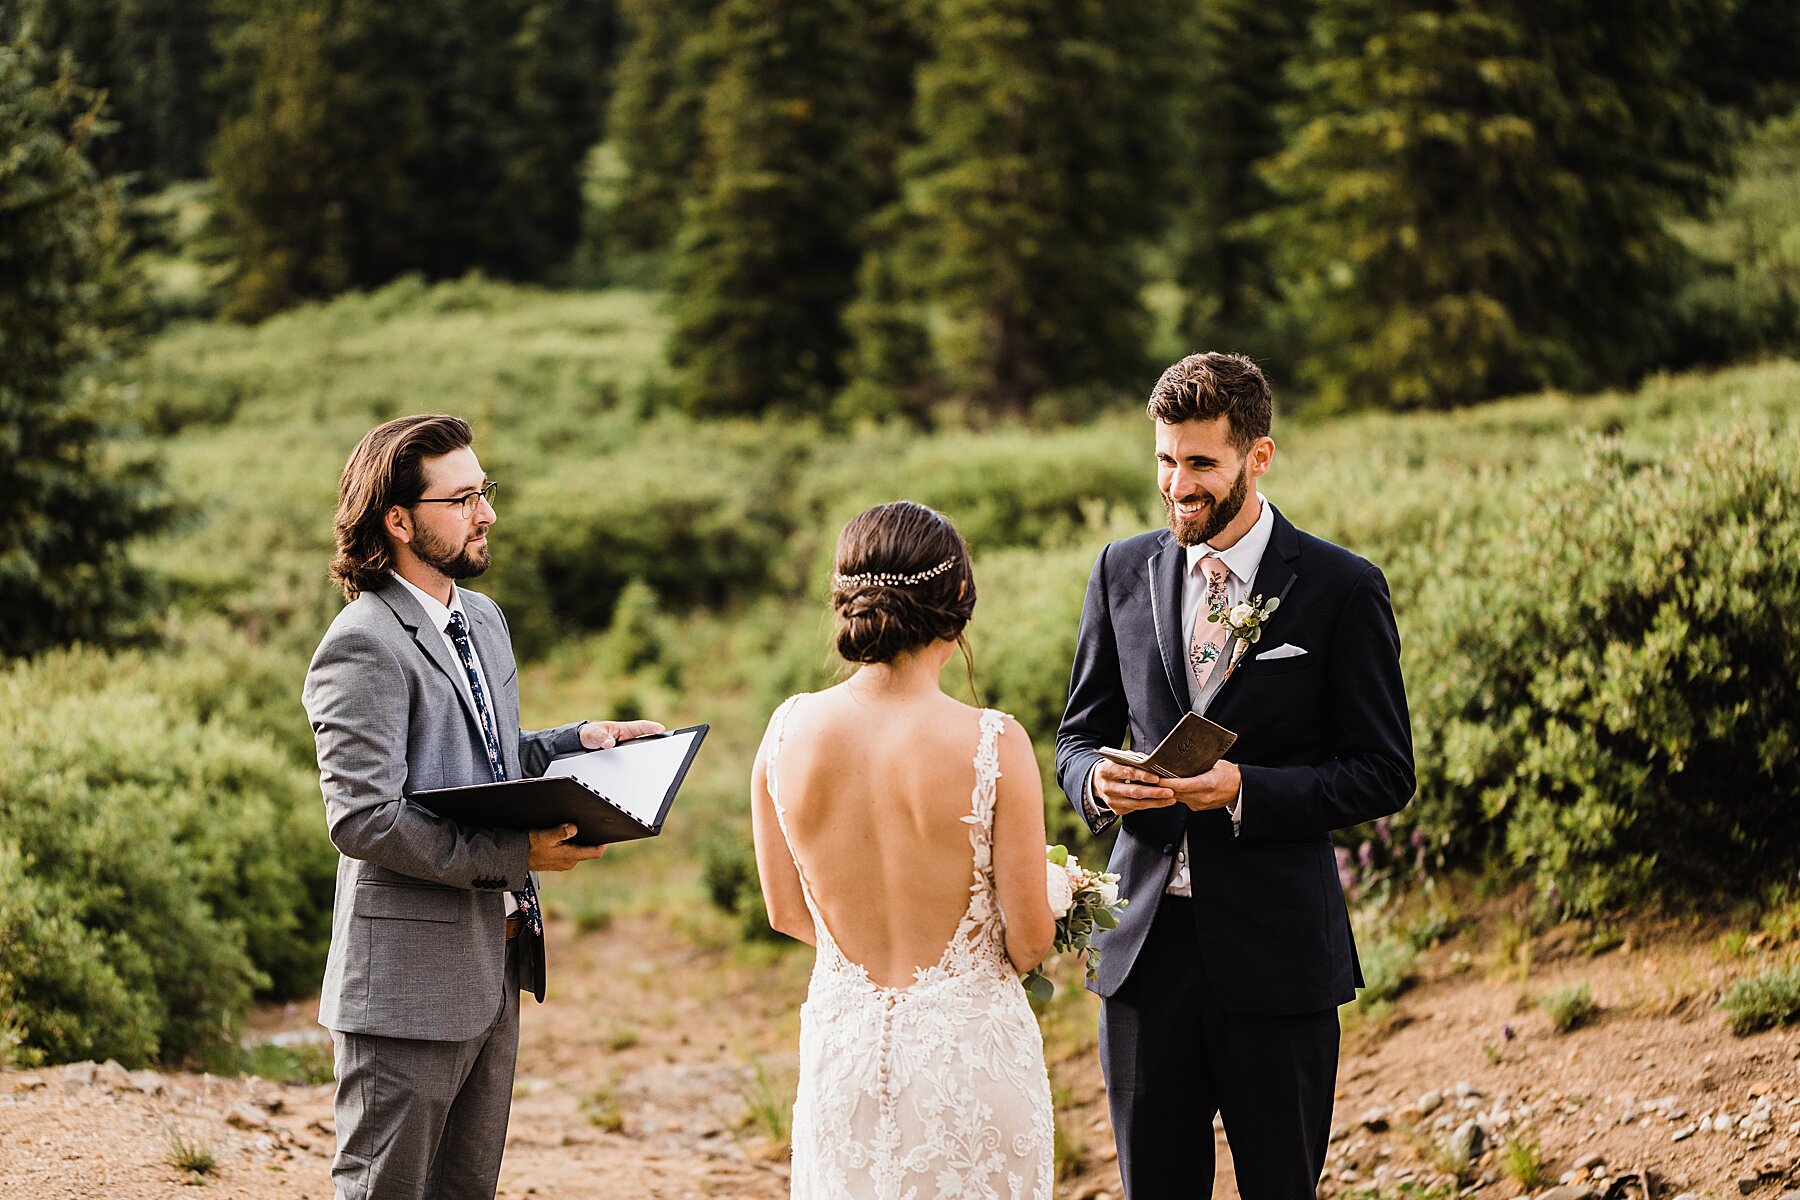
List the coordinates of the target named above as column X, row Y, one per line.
column 642, row 777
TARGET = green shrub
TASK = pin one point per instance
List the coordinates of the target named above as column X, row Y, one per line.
column 160, row 863
column 1763, row 1001
column 1602, row 681
column 728, row 872
column 697, row 524
column 1744, row 298
column 1568, row 1007
column 303, row 1063
column 1390, row 965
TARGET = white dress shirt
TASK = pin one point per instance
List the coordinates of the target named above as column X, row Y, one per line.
column 1243, row 558
column 438, row 617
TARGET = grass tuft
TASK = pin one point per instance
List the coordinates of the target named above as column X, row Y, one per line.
column 770, row 1110
column 603, row 1109
column 193, row 1157
column 1522, row 1159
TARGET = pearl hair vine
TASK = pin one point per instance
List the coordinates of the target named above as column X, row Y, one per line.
column 886, row 579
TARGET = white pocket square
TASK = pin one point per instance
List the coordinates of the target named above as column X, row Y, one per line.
column 1285, row 650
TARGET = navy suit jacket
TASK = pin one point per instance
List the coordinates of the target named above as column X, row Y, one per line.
column 1324, row 742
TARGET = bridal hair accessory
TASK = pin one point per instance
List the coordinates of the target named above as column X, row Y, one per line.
column 884, row 579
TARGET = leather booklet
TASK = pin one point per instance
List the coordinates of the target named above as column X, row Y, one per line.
column 1191, row 748
column 616, row 795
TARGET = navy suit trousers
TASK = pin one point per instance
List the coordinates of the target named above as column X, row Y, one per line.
column 1173, row 1058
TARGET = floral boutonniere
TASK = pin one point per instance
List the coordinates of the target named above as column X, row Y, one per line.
column 1245, row 620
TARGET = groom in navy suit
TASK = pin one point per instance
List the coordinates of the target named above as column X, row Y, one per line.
column 1222, row 981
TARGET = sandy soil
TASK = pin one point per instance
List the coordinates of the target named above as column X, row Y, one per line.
column 663, row 1065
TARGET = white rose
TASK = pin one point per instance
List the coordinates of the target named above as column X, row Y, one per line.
column 1109, row 894
column 1058, row 891
column 1240, row 613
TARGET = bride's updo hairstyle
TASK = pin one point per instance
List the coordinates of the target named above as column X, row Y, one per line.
column 901, row 581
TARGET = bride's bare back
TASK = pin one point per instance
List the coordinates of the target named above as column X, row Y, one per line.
column 876, row 786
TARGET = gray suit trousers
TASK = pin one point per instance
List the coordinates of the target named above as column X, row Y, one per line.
column 419, row 1120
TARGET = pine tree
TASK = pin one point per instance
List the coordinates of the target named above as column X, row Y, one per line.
column 654, row 121
column 437, row 136
column 1229, row 106
column 70, row 507
column 155, row 60
column 1044, row 134
column 1478, row 192
column 767, row 256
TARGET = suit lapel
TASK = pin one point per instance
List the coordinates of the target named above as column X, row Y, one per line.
column 431, row 641
column 1167, row 567
column 1275, row 577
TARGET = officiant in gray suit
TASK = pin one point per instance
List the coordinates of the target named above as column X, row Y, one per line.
column 436, row 928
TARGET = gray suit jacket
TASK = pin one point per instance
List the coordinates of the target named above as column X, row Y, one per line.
column 418, row 931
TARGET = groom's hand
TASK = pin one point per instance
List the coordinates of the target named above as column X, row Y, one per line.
column 1218, row 788
column 1126, row 789
column 551, row 851
column 604, row 735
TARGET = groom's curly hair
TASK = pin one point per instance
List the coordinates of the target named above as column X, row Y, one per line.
column 1204, row 387
column 882, row 611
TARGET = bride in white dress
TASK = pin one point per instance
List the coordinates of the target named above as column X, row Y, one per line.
column 901, row 832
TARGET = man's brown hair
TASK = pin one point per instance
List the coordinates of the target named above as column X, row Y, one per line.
column 385, row 469
column 1204, row 387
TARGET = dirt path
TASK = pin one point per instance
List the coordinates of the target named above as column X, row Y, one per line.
column 663, row 1067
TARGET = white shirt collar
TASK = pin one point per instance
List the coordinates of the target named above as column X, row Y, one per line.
column 435, row 612
column 1245, row 555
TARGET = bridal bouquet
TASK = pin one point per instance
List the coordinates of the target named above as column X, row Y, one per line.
column 1082, row 901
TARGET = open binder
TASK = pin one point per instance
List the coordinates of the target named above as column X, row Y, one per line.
column 615, row 795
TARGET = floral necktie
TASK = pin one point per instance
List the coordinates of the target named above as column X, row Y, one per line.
column 1210, row 636
column 459, row 634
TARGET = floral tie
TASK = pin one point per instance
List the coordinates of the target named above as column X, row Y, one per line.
column 459, row 634
column 1210, row 636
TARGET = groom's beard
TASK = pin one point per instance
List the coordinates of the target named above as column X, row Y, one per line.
column 1212, row 521
column 450, row 559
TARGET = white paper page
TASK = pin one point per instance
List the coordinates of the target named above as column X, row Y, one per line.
column 634, row 775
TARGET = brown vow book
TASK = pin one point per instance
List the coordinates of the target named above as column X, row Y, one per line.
column 1191, row 748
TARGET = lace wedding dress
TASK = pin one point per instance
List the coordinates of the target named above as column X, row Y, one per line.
column 935, row 1091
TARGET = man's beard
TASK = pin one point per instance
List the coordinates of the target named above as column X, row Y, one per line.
column 1211, row 523
column 451, row 560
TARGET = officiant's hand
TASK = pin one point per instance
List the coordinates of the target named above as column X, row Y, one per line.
column 551, row 851
column 604, row 735
column 1218, row 788
column 1126, row 790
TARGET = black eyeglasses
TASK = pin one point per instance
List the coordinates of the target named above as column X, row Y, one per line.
column 467, row 504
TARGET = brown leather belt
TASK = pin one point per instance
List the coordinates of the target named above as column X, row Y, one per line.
column 514, row 923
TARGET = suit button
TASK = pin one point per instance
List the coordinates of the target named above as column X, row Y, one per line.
column 1168, row 849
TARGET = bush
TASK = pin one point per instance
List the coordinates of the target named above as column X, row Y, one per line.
column 1010, row 487
column 160, row 862
column 1568, row 1007
column 728, row 870
column 1602, row 680
column 697, row 525
column 1744, row 297
column 1763, row 1001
